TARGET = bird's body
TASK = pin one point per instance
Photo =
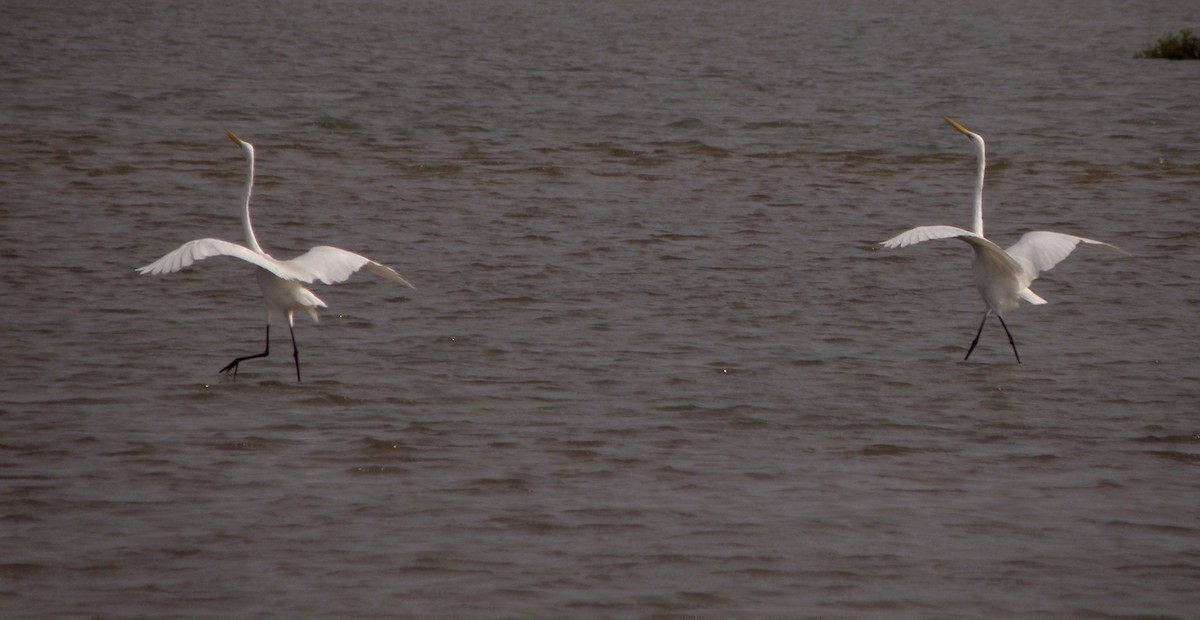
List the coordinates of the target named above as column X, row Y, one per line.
column 287, row 296
column 1002, row 276
column 279, row 281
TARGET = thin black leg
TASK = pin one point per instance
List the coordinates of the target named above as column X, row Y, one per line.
column 980, row 331
column 295, row 351
column 1010, row 338
column 234, row 364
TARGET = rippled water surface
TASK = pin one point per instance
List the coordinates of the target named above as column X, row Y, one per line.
column 656, row 365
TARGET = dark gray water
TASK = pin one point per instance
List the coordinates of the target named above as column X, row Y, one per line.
column 656, row 366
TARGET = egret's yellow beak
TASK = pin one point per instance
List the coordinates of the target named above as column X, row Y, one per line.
column 960, row 128
column 238, row 141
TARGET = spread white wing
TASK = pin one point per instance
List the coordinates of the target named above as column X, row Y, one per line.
column 200, row 249
column 1041, row 250
column 327, row 264
column 927, row 233
column 991, row 257
column 331, row 265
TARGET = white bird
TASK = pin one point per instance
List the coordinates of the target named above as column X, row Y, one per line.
column 279, row 280
column 1002, row 276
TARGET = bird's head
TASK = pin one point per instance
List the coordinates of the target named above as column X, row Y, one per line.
column 976, row 139
column 972, row 136
column 246, row 146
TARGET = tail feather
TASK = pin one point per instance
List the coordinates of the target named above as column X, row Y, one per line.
column 1031, row 297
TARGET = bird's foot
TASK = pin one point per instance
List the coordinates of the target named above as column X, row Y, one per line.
column 234, row 364
column 230, row 366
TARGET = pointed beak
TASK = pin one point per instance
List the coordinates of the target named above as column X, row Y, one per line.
column 238, row 141
column 960, row 128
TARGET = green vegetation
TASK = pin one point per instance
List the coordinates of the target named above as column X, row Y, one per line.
column 1183, row 46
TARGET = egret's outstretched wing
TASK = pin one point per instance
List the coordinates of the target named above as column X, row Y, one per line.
column 926, row 233
column 332, row 265
column 1041, row 250
column 200, row 249
column 993, row 258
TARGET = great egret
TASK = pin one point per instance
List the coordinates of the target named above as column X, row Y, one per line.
column 1002, row 276
column 279, row 280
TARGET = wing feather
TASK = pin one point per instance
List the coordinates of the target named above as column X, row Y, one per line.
column 200, row 249
column 994, row 258
column 332, row 265
column 1041, row 250
column 926, row 233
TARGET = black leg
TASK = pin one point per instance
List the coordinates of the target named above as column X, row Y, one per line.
column 295, row 351
column 976, row 340
column 1010, row 338
column 234, row 364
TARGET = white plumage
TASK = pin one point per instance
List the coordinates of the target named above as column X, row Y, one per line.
column 1001, row 276
column 279, row 280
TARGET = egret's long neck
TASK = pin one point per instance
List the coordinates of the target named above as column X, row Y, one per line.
column 977, row 223
column 251, row 241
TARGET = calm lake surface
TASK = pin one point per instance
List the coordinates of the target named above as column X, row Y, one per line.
column 656, row 365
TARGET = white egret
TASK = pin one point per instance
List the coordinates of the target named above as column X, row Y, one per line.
column 279, row 280
column 1002, row 276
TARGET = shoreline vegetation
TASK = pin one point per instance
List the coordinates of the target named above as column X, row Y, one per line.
column 1182, row 46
